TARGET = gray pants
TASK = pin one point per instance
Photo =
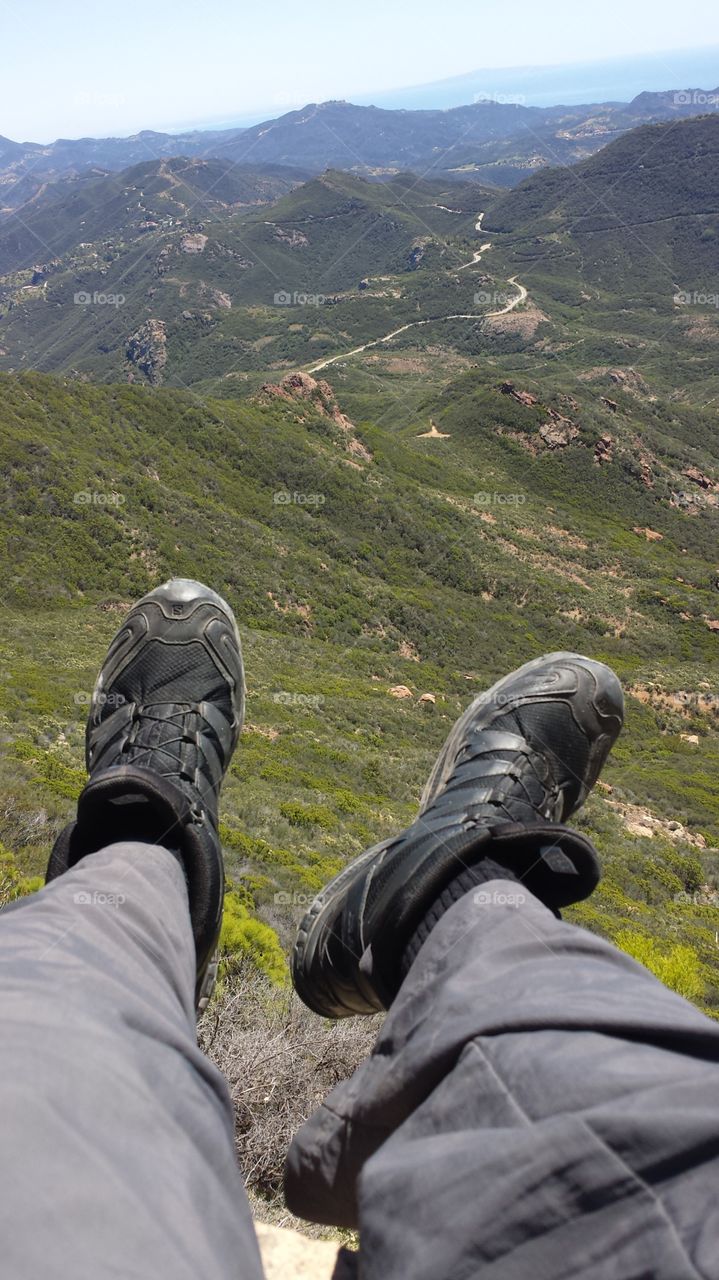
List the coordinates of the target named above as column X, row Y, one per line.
column 537, row 1104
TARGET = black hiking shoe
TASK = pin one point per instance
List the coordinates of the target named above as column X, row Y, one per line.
column 523, row 756
column 164, row 721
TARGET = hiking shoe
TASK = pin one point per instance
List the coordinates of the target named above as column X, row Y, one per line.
column 524, row 756
column 164, row 722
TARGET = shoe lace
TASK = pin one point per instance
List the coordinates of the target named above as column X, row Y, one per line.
column 169, row 727
column 516, row 785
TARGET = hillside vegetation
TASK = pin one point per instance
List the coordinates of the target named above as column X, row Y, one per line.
column 351, row 573
column 414, row 447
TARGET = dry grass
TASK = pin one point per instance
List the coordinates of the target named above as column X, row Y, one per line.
column 280, row 1061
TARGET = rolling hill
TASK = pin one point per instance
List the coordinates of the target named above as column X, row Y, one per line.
column 500, row 142
column 618, row 256
column 362, row 556
column 345, row 258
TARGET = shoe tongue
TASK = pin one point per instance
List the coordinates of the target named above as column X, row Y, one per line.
column 509, row 723
column 550, row 729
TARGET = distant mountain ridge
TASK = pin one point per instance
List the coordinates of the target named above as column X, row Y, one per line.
column 614, row 79
column 193, row 270
column 645, row 210
column 498, row 141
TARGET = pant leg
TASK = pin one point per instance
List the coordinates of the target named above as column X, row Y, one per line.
column 117, row 1151
column 538, row 1105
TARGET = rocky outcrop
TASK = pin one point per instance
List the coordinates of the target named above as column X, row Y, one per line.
column 697, row 477
column 629, row 379
column 639, row 821
column 319, row 394
column 408, row 650
column 146, row 350
column 294, row 239
column 524, row 397
column 651, row 535
column 417, row 252
column 704, row 494
column 559, row 431
column 194, row 242
column 603, row 449
column 220, row 299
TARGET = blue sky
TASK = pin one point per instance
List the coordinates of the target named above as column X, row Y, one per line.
column 71, row 67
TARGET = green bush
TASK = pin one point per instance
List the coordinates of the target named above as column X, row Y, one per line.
column 308, row 815
column 678, row 968
column 13, row 884
column 243, row 937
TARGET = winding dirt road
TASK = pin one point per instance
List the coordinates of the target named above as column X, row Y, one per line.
column 482, row 249
column 416, row 324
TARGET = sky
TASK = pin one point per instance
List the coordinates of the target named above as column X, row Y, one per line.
column 71, row 68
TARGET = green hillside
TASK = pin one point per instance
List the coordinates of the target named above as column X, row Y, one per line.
column 233, row 291
column 157, row 195
column 388, row 559
column 181, row 281
column 515, row 450
column 634, row 226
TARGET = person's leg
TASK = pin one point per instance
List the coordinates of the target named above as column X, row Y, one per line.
column 538, row 1105
column 117, row 1132
column 117, row 1154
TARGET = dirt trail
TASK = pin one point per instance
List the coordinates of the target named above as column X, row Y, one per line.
column 476, row 256
column 415, row 324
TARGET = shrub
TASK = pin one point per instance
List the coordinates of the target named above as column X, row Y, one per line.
column 13, row 884
column 280, row 1060
column 243, row 937
column 678, row 968
column 307, row 815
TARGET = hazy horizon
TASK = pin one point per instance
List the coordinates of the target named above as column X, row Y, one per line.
column 224, row 67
